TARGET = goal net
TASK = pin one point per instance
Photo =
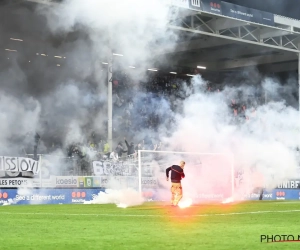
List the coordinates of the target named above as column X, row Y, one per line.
column 209, row 176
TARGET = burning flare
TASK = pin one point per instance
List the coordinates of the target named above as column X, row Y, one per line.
column 228, row 200
column 186, row 203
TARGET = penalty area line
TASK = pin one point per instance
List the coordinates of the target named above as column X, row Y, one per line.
column 152, row 215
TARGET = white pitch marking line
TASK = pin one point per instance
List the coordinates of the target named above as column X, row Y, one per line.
column 287, row 202
column 153, row 215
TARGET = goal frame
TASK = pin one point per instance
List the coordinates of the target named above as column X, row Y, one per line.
column 186, row 153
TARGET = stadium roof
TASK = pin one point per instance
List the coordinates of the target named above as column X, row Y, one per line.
column 215, row 41
column 222, row 42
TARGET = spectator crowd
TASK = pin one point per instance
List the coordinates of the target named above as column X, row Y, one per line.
column 144, row 106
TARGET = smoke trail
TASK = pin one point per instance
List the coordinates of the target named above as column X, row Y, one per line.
column 122, row 198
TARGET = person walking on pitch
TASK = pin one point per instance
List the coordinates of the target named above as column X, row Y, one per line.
column 176, row 175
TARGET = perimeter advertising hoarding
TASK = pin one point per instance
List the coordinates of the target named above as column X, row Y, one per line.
column 267, row 18
column 47, row 196
column 237, row 11
column 19, row 182
column 276, row 194
column 290, row 184
column 211, row 6
column 78, row 182
column 79, row 196
column 247, row 14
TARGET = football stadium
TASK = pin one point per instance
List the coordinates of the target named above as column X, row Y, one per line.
column 162, row 124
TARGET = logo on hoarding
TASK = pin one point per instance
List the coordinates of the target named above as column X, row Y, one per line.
column 78, row 194
column 280, row 195
column 97, row 182
column 78, row 197
column 81, row 182
column 215, row 5
column 291, row 184
column 3, row 195
column 16, row 182
column 212, row 6
column 66, row 181
column 88, row 182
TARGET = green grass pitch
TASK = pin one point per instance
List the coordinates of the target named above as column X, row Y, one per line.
column 150, row 226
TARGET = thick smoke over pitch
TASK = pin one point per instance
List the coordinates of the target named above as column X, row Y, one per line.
column 121, row 197
column 264, row 146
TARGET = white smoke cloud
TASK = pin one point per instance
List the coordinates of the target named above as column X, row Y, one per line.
column 130, row 27
column 264, row 147
column 66, row 96
column 19, row 117
column 122, row 198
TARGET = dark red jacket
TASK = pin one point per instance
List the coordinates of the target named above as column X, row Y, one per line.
column 177, row 173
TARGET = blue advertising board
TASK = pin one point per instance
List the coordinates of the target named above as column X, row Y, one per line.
column 79, row 196
column 47, row 196
column 277, row 194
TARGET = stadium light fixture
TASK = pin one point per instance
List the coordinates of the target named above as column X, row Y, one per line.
column 11, row 50
column 190, row 75
column 153, row 69
column 132, row 67
column 43, row 55
column 174, row 73
column 104, row 63
column 115, row 54
column 58, row 57
column 201, row 67
column 58, row 65
column 15, row 39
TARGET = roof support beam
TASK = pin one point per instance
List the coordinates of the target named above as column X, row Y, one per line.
column 244, row 62
column 230, row 53
column 47, row 2
column 257, row 60
column 267, row 32
column 231, row 38
column 202, row 43
column 282, row 67
column 225, row 23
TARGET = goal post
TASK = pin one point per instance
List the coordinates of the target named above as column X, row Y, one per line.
column 209, row 176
